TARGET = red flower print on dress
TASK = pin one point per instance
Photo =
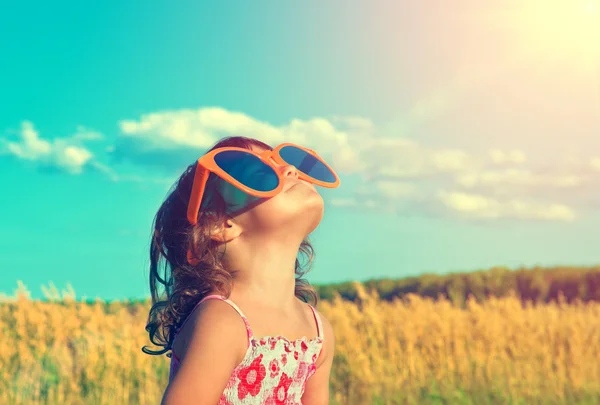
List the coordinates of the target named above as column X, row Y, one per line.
column 251, row 378
column 274, row 368
column 224, row 401
column 291, row 399
column 314, row 357
column 273, row 343
column 302, row 370
column 304, row 346
column 296, row 355
column 228, row 388
column 280, row 392
column 284, row 359
column 269, row 401
column 311, row 370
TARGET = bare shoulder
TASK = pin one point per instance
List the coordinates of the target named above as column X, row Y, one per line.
column 215, row 320
column 214, row 344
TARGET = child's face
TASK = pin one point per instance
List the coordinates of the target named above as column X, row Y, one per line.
column 296, row 210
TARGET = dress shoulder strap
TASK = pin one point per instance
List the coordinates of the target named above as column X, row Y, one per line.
column 319, row 323
column 239, row 311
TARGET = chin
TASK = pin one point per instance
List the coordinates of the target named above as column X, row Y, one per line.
column 298, row 217
column 303, row 219
column 314, row 216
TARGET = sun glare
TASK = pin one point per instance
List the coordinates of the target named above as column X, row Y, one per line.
column 591, row 7
column 549, row 30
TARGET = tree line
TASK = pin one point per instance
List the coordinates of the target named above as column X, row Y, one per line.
column 535, row 285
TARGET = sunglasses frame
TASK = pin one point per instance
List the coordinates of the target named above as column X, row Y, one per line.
column 206, row 164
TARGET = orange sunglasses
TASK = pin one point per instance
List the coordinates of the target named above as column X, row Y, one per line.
column 256, row 174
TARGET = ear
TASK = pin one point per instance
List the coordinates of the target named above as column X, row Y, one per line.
column 226, row 232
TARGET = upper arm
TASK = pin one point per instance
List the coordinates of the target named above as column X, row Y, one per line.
column 316, row 391
column 217, row 338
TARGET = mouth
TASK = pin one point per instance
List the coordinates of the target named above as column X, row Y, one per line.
column 300, row 182
column 294, row 185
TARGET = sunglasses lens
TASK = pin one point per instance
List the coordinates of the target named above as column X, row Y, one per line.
column 307, row 163
column 248, row 169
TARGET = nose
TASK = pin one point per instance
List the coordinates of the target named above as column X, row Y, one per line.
column 290, row 170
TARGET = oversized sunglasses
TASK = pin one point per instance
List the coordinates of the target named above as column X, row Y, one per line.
column 256, row 174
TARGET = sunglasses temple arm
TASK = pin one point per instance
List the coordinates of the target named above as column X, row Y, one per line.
column 200, row 178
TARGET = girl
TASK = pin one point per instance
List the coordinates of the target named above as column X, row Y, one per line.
column 237, row 315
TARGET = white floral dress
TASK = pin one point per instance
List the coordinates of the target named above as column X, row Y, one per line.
column 274, row 370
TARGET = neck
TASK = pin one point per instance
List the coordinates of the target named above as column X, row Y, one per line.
column 264, row 271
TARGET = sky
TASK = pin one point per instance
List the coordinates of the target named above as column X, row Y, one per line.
column 465, row 135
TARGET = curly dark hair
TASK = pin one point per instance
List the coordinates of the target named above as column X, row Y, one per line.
column 185, row 284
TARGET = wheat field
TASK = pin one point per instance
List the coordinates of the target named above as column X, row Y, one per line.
column 414, row 351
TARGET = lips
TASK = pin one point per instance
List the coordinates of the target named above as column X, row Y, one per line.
column 302, row 182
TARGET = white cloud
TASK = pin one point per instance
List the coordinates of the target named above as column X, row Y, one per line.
column 396, row 190
column 64, row 154
column 450, row 160
column 343, row 202
column 85, row 134
column 191, row 132
column 204, row 127
column 499, row 156
column 314, row 133
column 365, row 203
column 518, row 177
column 357, row 125
column 400, row 158
column 31, row 146
column 349, row 142
column 398, row 173
column 479, row 206
column 168, row 130
column 432, row 106
column 70, row 157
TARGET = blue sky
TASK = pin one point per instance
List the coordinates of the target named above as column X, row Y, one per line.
column 465, row 137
